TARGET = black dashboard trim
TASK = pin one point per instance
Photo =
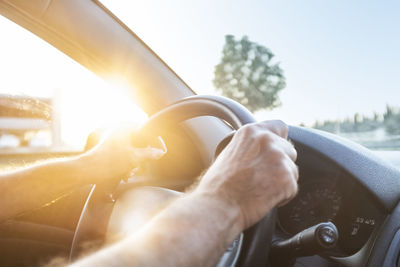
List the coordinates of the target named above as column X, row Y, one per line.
column 380, row 178
column 385, row 238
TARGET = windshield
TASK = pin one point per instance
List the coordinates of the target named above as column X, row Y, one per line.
column 331, row 65
column 50, row 103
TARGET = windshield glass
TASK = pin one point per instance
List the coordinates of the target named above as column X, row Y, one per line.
column 327, row 65
column 50, row 103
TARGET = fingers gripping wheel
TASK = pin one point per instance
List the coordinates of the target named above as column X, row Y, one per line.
column 256, row 239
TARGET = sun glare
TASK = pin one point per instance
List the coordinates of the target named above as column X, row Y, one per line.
column 80, row 101
column 106, row 105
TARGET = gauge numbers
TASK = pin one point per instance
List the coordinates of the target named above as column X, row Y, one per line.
column 315, row 203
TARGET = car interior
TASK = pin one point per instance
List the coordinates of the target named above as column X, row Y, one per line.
column 341, row 182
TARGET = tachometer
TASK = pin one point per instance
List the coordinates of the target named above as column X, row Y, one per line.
column 315, row 203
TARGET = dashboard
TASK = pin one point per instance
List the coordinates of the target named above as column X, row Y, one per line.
column 329, row 193
column 360, row 195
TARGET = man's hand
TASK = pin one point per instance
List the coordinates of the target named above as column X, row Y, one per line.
column 107, row 162
column 115, row 157
column 255, row 172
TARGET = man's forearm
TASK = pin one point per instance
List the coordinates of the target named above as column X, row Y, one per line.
column 29, row 188
column 255, row 172
column 112, row 159
column 193, row 231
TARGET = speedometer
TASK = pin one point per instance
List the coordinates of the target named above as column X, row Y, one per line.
column 315, row 203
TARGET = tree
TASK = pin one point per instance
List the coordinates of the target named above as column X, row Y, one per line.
column 247, row 75
column 391, row 120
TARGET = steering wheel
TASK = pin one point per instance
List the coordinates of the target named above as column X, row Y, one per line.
column 256, row 239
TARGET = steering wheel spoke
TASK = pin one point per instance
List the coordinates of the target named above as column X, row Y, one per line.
column 256, row 240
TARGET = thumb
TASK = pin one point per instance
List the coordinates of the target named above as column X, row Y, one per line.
column 150, row 152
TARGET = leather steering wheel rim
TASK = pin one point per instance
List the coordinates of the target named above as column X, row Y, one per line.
column 256, row 239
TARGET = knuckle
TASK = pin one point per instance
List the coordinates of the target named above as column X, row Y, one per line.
column 277, row 154
column 266, row 137
column 296, row 172
column 291, row 188
column 294, row 152
column 287, row 180
column 280, row 128
column 288, row 173
column 292, row 194
column 284, row 169
column 247, row 129
column 280, row 124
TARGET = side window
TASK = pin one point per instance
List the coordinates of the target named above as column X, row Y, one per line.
column 28, row 122
column 50, row 103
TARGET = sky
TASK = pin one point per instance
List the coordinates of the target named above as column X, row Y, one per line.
column 339, row 57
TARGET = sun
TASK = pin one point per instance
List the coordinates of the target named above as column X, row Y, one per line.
column 98, row 104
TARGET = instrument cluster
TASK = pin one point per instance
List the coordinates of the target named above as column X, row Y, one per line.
column 337, row 198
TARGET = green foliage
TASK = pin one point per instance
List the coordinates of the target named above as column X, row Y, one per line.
column 247, row 75
column 390, row 122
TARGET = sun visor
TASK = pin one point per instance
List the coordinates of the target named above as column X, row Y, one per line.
column 35, row 8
